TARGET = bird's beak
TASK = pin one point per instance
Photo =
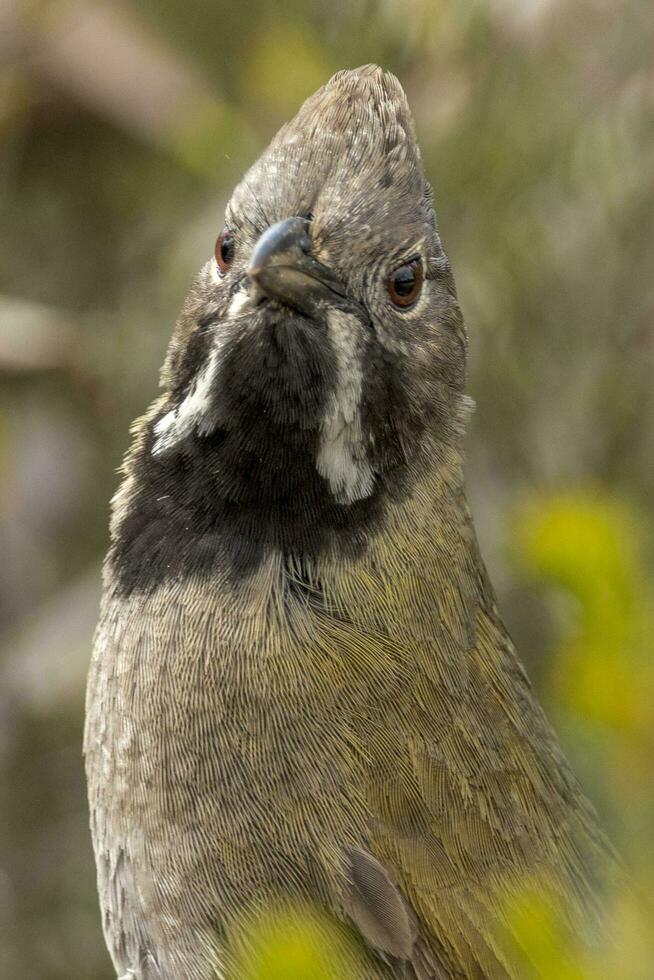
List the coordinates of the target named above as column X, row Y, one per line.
column 282, row 268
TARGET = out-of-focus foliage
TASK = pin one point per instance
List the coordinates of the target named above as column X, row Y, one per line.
column 589, row 549
column 547, row 948
column 297, row 944
column 123, row 127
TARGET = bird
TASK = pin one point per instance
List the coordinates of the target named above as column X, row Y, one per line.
column 301, row 687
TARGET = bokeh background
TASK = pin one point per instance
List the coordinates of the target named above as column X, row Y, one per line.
column 123, row 128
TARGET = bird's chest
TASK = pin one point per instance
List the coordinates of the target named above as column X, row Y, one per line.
column 231, row 738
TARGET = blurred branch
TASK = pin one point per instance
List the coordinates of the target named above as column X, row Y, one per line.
column 103, row 59
column 34, row 337
column 99, row 55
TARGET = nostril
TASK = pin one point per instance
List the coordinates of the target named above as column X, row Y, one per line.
column 304, row 241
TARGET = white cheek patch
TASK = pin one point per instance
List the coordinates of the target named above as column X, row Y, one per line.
column 238, row 302
column 191, row 413
column 342, row 458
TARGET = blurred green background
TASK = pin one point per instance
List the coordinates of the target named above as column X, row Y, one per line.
column 123, row 128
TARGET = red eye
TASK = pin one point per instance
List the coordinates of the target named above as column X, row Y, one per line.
column 404, row 284
column 224, row 251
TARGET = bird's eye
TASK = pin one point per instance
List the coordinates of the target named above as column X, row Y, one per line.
column 224, row 252
column 404, row 283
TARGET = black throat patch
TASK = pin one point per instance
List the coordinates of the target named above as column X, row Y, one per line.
column 220, row 501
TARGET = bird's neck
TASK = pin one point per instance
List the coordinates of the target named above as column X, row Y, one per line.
column 202, row 514
column 418, row 543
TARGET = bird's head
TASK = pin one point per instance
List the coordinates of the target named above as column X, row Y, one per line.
column 319, row 361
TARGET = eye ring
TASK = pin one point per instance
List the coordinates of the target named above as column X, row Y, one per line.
column 224, row 250
column 404, row 284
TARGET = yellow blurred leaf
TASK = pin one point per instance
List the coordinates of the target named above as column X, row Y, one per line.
column 285, row 65
column 589, row 546
column 297, row 944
